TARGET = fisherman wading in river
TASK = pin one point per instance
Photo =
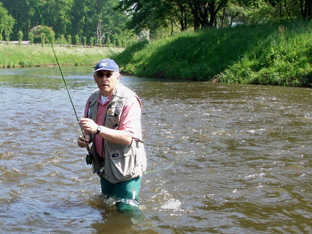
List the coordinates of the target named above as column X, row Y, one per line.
column 112, row 122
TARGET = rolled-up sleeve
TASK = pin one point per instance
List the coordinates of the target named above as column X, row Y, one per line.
column 130, row 119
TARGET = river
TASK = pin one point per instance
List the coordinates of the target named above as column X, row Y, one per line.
column 222, row 158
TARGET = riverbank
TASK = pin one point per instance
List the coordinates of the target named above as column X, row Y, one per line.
column 15, row 55
column 272, row 54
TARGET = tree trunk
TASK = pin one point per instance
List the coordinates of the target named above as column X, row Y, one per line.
column 309, row 9
column 287, row 10
column 222, row 19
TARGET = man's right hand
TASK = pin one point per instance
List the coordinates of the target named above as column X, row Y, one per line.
column 83, row 141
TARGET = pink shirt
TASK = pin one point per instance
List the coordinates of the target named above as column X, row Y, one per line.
column 130, row 119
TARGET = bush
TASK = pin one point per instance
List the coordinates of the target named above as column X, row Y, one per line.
column 62, row 40
column 37, row 32
column 84, row 41
column 20, row 37
column 91, row 42
column 76, row 40
column 31, row 38
column 69, row 40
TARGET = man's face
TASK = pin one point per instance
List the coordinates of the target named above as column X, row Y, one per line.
column 106, row 81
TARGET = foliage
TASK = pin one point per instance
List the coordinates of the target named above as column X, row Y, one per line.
column 154, row 14
column 20, row 37
column 39, row 30
column 117, row 22
column 91, row 41
column 85, row 18
column 212, row 30
column 43, row 39
column 276, row 54
column 6, row 22
column 69, row 40
column 77, row 40
column 84, row 41
column 52, row 8
column 31, row 38
column 151, row 14
column 284, row 58
column 62, row 40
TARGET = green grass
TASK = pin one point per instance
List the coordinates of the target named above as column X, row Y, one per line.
column 271, row 54
column 36, row 55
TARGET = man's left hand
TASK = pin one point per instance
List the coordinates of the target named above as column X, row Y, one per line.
column 88, row 125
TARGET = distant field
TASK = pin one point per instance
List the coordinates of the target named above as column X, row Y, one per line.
column 25, row 55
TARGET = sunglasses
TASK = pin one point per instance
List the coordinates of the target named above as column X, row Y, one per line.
column 100, row 74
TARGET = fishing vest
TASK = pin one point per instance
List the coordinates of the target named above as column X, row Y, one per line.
column 121, row 162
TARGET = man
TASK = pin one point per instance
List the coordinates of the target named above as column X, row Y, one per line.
column 112, row 123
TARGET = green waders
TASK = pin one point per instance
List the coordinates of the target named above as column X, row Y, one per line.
column 126, row 193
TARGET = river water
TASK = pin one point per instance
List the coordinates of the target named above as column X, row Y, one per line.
column 221, row 158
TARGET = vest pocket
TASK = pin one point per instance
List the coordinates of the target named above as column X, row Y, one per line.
column 123, row 163
column 113, row 114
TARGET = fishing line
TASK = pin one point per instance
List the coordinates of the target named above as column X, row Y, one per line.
column 88, row 158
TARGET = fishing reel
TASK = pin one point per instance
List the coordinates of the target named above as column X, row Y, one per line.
column 88, row 159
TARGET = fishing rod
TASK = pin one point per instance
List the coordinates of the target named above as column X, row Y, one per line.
column 88, row 157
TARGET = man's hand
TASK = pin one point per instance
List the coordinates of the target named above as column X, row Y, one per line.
column 88, row 125
column 83, row 141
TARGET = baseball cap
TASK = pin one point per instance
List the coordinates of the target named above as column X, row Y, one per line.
column 106, row 65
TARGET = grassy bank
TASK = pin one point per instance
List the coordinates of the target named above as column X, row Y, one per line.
column 35, row 55
column 276, row 54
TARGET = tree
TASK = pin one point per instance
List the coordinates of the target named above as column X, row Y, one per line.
column 205, row 11
column 292, row 9
column 306, row 9
column 22, row 12
column 108, row 21
column 180, row 13
column 81, row 15
column 6, row 22
column 56, row 14
column 69, row 17
column 151, row 15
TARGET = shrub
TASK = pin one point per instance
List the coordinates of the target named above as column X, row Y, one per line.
column 76, row 40
column 91, row 41
column 84, row 41
column 37, row 32
column 20, row 37
column 31, row 38
column 69, row 40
